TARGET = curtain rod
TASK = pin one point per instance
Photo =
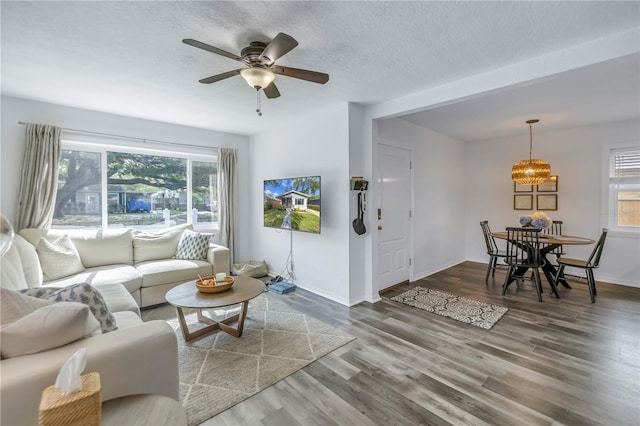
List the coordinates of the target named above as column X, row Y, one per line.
column 132, row 138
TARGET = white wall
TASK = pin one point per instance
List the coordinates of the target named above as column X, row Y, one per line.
column 438, row 185
column 357, row 287
column 575, row 156
column 316, row 144
column 12, row 146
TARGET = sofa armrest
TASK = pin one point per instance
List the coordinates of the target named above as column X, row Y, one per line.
column 136, row 360
column 218, row 256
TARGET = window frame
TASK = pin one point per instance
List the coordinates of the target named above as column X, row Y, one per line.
column 609, row 199
column 103, row 144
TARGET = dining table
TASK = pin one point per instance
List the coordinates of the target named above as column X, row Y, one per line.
column 547, row 243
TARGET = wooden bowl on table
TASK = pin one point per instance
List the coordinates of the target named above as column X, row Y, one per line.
column 210, row 285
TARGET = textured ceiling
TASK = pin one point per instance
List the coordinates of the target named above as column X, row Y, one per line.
column 127, row 57
column 601, row 93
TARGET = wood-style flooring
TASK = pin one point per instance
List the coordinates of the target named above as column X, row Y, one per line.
column 560, row 362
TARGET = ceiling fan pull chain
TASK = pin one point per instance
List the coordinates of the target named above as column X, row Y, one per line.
column 258, row 105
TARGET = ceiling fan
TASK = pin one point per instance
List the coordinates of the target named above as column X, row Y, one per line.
column 261, row 69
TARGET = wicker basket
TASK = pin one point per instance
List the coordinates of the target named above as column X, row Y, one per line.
column 80, row 408
column 220, row 285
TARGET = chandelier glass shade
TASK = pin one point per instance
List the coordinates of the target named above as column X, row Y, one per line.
column 532, row 171
column 258, row 78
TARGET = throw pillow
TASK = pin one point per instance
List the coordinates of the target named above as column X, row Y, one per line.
column 193, row 245
column 15, row 305
column 157, row 245
column 59, row 258
column 47, row 328
column 83, row 293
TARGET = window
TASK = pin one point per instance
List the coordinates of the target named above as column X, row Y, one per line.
column 99, row 187
column 624, row 189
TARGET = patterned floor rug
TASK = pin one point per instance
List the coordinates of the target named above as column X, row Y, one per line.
column 218, row 371
column 469, row 311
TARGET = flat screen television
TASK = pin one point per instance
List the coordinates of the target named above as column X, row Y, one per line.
column 293, row 203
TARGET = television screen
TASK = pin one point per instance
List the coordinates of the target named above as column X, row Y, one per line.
column 293, row 203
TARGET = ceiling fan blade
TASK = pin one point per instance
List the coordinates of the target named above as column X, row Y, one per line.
column 200, row 45
column 313, row 76
column 219, row 77
column 271, row 91
column 278, row 47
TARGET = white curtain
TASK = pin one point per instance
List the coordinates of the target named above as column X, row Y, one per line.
column 227, row 188
column 39, row 181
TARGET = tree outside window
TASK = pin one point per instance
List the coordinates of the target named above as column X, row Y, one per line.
column 141, row 191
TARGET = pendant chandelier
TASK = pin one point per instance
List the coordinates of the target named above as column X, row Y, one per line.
column 531, row 171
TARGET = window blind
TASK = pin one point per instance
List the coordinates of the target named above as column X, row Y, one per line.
column 624, row 163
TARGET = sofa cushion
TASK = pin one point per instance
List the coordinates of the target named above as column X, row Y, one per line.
column 33, row 235
column 158, row 272
column 193, row 245
column 156, row 245
column 126, row 275
column 12, row 275
column 118, row 300
column 47, row 328
column 15, row 305
column 82, row 293
column 127, row 319
column 59, row 258
column 104, row 247
column 30, row 261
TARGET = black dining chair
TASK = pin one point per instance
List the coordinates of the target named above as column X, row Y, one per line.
column 523, row 253
column 588, row 265
column 492, row 249
column 555, row 229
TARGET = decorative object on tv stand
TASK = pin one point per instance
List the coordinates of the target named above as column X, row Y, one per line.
column 532, row 171
column 535, row 220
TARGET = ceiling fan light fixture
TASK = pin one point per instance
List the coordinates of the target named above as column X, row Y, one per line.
column 258, row 78
column 532, row 171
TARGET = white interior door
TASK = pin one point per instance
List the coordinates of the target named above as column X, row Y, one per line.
column 394, row 215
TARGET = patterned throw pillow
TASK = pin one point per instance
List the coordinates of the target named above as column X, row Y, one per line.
column 59, row 258
column 193, row 245
column 82, row 293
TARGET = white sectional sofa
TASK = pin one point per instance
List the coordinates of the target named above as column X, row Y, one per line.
column 136, row 358
column 142, row 261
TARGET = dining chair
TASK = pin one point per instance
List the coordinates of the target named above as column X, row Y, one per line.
column 523, row 253
column 588, row 265
column 492, row 249
column 555, row 229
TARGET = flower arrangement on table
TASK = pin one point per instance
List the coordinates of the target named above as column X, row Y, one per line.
column 536, row 220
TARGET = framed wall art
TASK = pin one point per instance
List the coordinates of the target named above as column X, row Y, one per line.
column 550, row 186
column 522, row 188
column 547, row 201
column 523, row 202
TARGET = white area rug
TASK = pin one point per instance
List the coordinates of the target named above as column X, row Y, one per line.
column 218, row 371
column 469, row 311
